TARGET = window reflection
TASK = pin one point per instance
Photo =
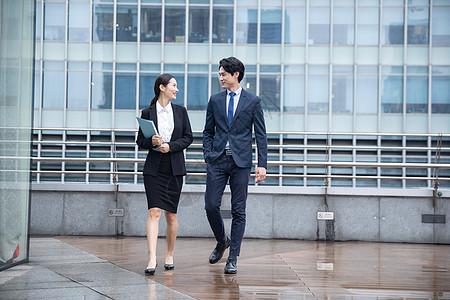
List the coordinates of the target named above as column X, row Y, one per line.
column 392, row 90
column 197, row 98
column 174, row 25
column 198, row 24
column 318, row 89
column 294, row 32
column 270, row 92
column 440, row 94
column 270, row 26
column 77, row 89
column 146, row 92
column 342, row 92
column 441, row 25
column 126, row 27
column 222, row 25
column 367, row 90
column 78, row 22
column 343, row 25
column 393, row 24
column 368, row 28
column 103, row 23
column 319, row 25
column 54, row 21
column 246, row 25
column 294, row 93
column 416, row 94
column 101, row 89
column 151, row 24
column 417, row 25
column 125, row 91
column 53, row 85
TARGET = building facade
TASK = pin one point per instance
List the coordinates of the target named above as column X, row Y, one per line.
column 319, row 66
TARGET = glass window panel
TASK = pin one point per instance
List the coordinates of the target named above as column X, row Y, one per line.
column 146, row 92
column 295, row 27
column 441, row 25
column 271, row 26
column 441, row 70
column 125, row 67
column 294, row 69
column 175, row 21
column 199, row 1
column 392, row 70
column 342, row 94
column 249, row 83
column 418, row 2
column 198, row 68
column 77, row 89
column 101, row 90
column 319, row 26
column 270, row 92
column 318, row 89
column 198, row 24
column 180, row 85
column 126, row 27
column 416, row 70
column 392, row 94
column 173, row 68
column 366, row 94
column 416, row 94
column 125, row 91
column 246, row 25
column 103, row 23
column 223, row 1
column 368, row 28
column 78, row 22
column 77, row 66
column 294, row 93
column 270, row 68
column 418, row 25
column 440, row 95
column 197, row 95
column 151, row 24
column 222, row 25
column 53, row 94
column 343, row 25
column 150, row 67
column 54, row 21
column 393, row 23
column 342, row 69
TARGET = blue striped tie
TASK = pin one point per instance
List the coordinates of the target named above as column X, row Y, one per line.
column 231, row 108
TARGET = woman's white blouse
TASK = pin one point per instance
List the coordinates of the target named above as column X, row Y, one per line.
column 165, row 121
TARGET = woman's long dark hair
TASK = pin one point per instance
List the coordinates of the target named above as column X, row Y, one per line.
column 162, row 79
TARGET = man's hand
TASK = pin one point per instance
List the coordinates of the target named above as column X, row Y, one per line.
column 164, row 148
column 260, row 174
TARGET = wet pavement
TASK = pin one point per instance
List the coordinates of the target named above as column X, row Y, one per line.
column 113, row 268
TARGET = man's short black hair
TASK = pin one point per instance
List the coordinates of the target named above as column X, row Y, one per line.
column 232, row 65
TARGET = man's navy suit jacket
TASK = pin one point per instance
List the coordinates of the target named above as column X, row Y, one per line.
column 248, row 115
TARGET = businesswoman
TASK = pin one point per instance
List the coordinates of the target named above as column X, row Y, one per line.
column 164, row 167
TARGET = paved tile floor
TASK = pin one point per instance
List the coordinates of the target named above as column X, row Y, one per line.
column 112, row 268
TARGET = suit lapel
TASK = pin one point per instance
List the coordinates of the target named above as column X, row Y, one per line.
column 175, row 120
column 241, row 104
column 223, row 105
column 154, row 115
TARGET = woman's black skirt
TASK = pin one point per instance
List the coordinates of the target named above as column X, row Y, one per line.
column 163, row 191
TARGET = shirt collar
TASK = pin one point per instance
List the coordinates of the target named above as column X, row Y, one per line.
column 238, row 91
column 159, row 108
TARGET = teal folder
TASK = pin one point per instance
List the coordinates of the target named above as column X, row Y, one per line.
column 148, row 127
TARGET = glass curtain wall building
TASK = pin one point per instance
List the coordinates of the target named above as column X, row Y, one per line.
column 322, row 66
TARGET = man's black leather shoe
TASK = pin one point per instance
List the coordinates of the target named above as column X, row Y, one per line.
column 217, row 253
column 230, row 267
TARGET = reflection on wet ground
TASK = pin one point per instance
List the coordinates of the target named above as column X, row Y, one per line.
column 289, row 269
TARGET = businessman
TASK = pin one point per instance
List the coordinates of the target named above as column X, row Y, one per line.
column 227, row 148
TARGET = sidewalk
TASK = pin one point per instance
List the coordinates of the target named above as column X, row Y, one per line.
column 60, row 271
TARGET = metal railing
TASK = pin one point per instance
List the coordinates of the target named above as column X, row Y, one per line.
column 350, row 160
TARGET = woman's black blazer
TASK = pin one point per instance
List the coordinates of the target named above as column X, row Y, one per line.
column 180, row 140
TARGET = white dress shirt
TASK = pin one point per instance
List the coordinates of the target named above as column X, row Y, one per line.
column 165, row 121
column 235, row 99
column 235, row 102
